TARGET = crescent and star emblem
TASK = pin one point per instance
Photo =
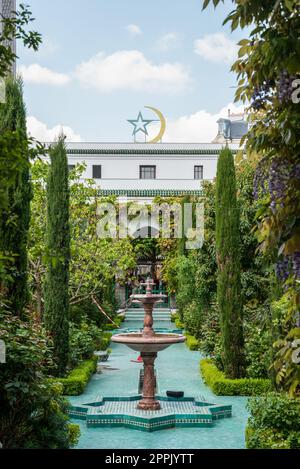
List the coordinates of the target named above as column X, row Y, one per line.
column 140, row 124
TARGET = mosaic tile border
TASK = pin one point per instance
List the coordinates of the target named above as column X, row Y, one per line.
column 201, row 413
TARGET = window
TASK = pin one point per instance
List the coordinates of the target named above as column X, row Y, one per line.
column 97, row 170
column 198, row 172
column 147, row 172
column 71, row 166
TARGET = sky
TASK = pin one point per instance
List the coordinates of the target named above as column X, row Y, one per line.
column 102, row 61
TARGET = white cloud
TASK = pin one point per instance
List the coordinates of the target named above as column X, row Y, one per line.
column 200, row 127
column 216, row 48
column 134, row 29
column 131, row 70
column 37, row 74
column 41, row 132
column 168, row 41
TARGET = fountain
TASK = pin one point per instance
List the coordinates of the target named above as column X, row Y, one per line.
column 148, row 343
column 152, row 412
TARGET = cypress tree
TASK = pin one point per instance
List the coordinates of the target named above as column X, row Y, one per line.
column 228, row 262
column 56, row 313
column 15, row 218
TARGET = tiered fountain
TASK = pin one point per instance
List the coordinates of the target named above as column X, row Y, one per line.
column 151, row 412
column 148, row 343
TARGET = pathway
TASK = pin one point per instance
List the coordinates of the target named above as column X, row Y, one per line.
column 177, row 369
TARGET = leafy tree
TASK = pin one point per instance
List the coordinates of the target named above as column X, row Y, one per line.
column 268, row 70
column 15, row 27
column 58, row 250
column 15, row 152
column 95, row 263
column 14, row 222
column 228, row 261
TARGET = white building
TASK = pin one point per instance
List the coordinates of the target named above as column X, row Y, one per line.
column 146, row 170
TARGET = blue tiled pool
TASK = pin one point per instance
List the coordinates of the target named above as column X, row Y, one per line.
column 177, row 369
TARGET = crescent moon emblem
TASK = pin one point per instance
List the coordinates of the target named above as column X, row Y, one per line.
column 162, row 130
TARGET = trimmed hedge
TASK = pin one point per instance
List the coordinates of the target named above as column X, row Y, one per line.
column 76, row 381
column 222, row 386
column 191, row 342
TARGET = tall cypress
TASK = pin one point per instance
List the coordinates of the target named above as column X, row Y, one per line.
column 14, row 223
column 56, row 313
column 228, row 262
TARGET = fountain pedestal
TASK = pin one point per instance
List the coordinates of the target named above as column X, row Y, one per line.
column 148, row 344
column 148, row 401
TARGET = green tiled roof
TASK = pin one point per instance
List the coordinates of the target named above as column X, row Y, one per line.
column 148, row 192
column 148, row 151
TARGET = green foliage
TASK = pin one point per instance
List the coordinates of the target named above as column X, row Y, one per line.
column 103, row 259
column 16, row 27
column 58, row 249
column 266, row 439
column 193, row 318
column 14, row 222
column 191, row 342
column 84, row 340
column 105, row 341
column 258, row 351
column 270, row 53
column 178, row 323
column 76, row 381
column 33, row 413
column 185, row 275
column 223, row 386
column 74, row 434
column 228, row 260
column 274, row 422
column 110, row 327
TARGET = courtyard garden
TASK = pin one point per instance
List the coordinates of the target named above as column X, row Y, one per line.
column 236, row 298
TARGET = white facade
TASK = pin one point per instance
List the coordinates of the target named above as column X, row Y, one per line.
column 121, row 165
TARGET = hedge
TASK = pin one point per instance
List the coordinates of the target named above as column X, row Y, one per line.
column 76, row 381
column 222, row 386
column 191, row 342
column 111, row 327
column 105, row 341
column 268, row 438
column 178, row 323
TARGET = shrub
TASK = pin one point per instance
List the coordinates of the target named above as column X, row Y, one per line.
column 84, row 340
column 76, row 381
column 74, row 433
column 33, row 412
column 105, row 340
column 258, row 350
column 178, row 323
column 274, row 422
column 223, row 386
column 191, row 342
column 111, row 327
column 193, row 318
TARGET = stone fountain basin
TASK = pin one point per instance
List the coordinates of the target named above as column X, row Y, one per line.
column 148, row 298
column 140, row 343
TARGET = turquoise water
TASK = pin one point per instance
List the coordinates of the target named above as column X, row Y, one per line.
column 177, row 369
